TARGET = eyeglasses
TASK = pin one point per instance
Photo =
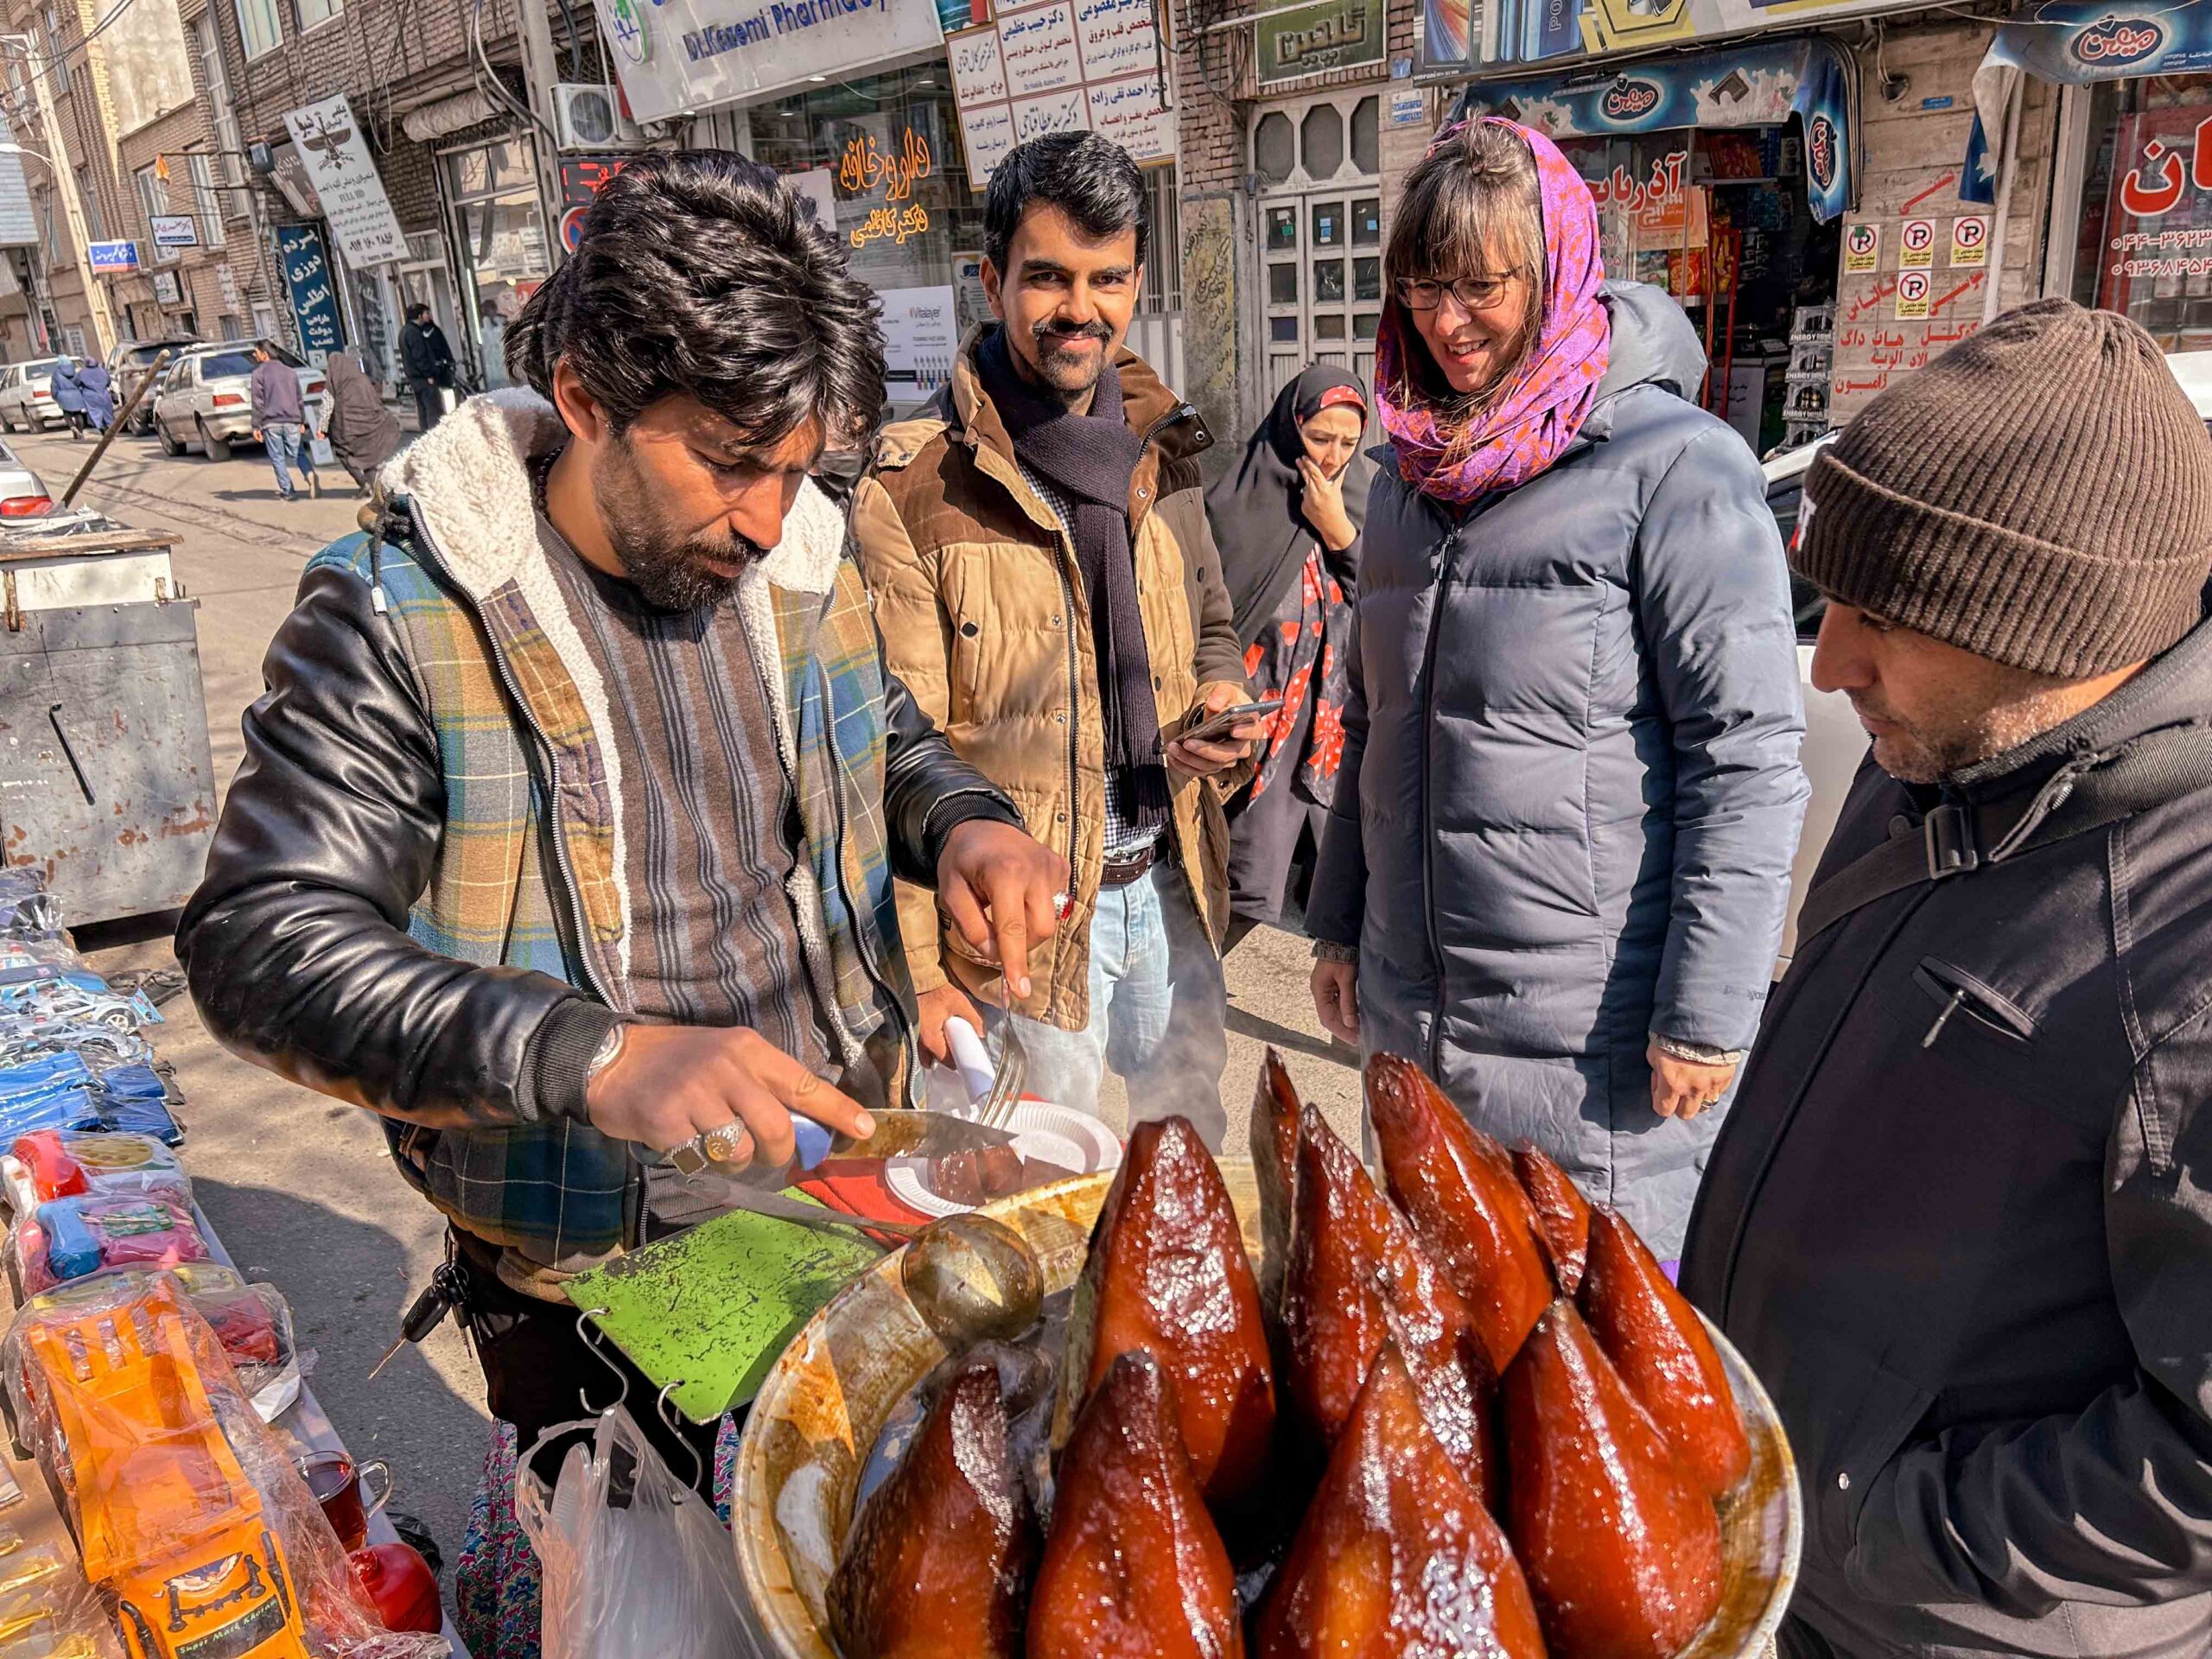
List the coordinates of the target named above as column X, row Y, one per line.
column 1474, row 293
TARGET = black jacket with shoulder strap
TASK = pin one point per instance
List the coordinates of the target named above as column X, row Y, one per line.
column 1960, row 1220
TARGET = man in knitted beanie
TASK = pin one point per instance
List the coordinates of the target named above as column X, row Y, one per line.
column 1960, row 1221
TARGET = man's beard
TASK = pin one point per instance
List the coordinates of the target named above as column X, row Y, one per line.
column 1071, row 374
column 1918, row 753
column 668, row 569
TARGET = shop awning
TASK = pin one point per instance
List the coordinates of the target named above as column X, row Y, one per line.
column 1757, row 84
column 2068, row 40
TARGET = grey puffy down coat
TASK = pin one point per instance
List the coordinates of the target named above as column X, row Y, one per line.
column 1570, row 791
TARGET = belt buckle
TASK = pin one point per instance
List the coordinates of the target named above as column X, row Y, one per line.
column 1948, row 833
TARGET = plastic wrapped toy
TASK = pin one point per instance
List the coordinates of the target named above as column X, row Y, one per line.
column 195, row 1529
column 252, row 1322
column 61, row 1163
column 70, row 1238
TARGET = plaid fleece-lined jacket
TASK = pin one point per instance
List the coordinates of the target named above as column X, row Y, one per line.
column 416, row 899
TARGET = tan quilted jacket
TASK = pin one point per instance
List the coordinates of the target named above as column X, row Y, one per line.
column 983, row 615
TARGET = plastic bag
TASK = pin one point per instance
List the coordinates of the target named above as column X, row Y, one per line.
column 34, row 1036
column 42, row 991
column 634, row 1562
column 47, row 1611
column 70, row 1238
column 66, row 1163
column 196, row 1529
column 28, row 910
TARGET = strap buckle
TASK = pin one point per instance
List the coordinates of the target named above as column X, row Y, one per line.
column 1949, row 836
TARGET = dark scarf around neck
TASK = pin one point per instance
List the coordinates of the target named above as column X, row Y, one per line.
column 1092, row 458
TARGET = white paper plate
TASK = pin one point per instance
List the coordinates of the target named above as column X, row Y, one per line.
column 1073, row 1141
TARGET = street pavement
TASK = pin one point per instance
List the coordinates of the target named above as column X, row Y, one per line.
column 299, row 1185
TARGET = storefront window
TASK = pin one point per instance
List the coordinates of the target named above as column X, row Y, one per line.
column 1720, row 219
column 883, row 153
column 493, row 189
column 2145, row 246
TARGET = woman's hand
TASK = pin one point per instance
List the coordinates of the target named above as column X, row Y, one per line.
column 1324, row 507
column 1685, row 1088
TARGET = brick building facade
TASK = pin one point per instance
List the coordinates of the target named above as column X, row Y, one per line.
column 1287, row 188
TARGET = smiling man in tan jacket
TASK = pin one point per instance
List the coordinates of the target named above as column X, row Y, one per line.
column 1048, row 590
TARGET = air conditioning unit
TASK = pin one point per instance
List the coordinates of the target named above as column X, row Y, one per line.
column 591, row 118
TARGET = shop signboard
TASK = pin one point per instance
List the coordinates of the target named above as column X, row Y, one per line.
column 2068, row 40
column 675, row 57
column 305, row 261
column 1335, row 34
column 166, row 290
column 175, row 231
column 1761, row 83
column 113, row 256
column 2158, row 208
column 337, row 161
column 1062, row 66
column 1534, row 31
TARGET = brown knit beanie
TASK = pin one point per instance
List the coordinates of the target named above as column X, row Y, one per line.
column 2040, row 494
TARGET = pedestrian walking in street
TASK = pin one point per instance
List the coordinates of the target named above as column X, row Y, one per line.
column 363, row 433
column 68, row 393
column 280, row 422
column 1558, row 857
column 1960, row 1220
column 629, row 554
column 429, row 362
column 99, row 395
column 1287, row 520
column 1036, row 541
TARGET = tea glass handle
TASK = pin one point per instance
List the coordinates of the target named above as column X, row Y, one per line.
column 375, row 1468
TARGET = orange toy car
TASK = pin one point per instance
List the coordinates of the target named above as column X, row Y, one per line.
column 173, row 1534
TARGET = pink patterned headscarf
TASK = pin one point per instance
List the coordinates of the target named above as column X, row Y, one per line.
column 1524, row 431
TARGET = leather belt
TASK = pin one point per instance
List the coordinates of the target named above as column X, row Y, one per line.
column 1120, row 872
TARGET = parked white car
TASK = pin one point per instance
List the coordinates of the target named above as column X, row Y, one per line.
column 27, row 397
column 23, row 492
column 204, row 401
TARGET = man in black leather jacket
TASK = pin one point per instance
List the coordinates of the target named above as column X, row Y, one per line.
column 1958, row 1219
column 569, row 820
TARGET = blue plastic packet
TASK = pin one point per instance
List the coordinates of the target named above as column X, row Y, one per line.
column 72, row 1248
column 61, row 1109
column 131, row 1114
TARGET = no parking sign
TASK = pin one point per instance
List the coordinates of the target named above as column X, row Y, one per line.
column 1912, row 294
column 1916, row 245
column 1970, row 240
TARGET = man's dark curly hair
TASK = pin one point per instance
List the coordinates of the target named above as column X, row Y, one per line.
column 699, row 272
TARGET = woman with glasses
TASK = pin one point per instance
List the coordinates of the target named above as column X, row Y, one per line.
column 1287, row 521
column 1557, row 855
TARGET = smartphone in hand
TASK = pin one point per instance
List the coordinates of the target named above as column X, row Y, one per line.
column 1215, row 727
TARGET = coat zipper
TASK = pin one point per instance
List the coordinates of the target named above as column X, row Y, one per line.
column 1429, row 828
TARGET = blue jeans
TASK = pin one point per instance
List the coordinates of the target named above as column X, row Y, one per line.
column 1158, row 1012
column 287, row 445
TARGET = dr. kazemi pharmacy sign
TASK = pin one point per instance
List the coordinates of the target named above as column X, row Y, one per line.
column 681, row 56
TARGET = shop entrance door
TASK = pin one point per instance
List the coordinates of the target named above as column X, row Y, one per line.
column 1320, row 205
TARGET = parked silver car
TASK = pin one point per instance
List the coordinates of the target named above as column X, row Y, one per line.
column 131, row 359
column 204, row 400
column 22, row 493
column 27, row 396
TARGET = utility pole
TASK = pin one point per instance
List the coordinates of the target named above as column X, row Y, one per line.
column 541, row 69
column 65, row 183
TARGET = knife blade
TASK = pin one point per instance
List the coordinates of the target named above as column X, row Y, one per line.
column 910, row 1134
